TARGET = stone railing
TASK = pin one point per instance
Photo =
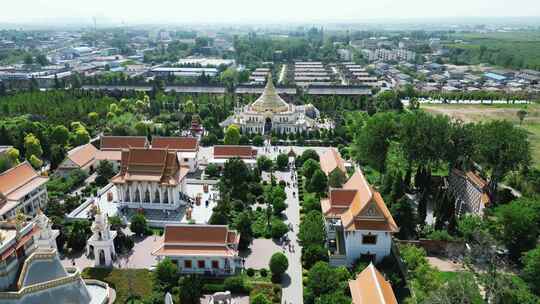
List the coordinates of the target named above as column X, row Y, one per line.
column 41, row 286
column 101, row 284
column 37, row 255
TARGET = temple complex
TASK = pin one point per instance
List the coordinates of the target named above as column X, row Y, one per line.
column 270, row 113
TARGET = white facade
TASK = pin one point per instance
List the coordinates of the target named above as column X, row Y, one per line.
column 188, row 159
column 355, row 246
column 218, row 265
column 151, row 195
column 29, row 204
column 270, row 113
column 101, row 243
column 292, row 121
column 46, row 237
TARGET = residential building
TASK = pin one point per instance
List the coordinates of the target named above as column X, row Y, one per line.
column 82, row 158
column 371, row 287
column 22, row 189
column 202, row 249
column 358, row 223
column 470, row 191
column 270, row 113
column 151, row 178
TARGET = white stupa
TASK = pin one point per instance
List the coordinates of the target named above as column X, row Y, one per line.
column 46, row 237
column 101, row 243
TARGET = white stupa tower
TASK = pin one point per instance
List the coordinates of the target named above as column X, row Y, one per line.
column 101, row 243
column 46, row 237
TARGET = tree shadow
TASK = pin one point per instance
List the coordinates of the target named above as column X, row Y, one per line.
column 286, row 280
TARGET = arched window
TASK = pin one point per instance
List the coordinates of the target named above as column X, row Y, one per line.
column 166, row 197
column 156, row 197
column 147, row 196
column 137, row 196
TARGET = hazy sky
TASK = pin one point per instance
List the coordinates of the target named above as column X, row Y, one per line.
column 180, row 11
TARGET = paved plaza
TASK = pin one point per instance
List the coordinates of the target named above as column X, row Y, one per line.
column 261, row 250
column 139, row 257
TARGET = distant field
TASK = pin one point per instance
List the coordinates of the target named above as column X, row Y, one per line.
column 475, row 113
column 505, row 49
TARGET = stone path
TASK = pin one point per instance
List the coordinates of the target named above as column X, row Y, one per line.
column 292, row 283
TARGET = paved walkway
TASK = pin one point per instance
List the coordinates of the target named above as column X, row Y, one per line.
column 140, row 257
column 292, row 283
column 261, row 250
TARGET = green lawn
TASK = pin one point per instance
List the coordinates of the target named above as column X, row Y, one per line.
column 125, row 281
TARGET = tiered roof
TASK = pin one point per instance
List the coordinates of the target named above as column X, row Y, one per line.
column 198, row 240
column 370, row 287
column 111, row 146
column 358, row 206
column 270, row 99
column 153, row 165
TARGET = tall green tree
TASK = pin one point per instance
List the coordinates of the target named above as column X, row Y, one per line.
column 502, row 147
column 166, row 274
column 312, row 229
column 32, row 146
column 519, row 222
column 232, row 135
column 372, row 142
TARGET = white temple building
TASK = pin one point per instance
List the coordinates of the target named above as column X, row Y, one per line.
column 101, row 243
column 151, row 179
column 270, row 113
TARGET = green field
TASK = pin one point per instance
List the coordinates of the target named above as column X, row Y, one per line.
column 505, row 49
column 475, row 113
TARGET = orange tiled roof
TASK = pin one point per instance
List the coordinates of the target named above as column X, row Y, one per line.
column 17, row 182
column 199, row 234
column 122, row 142
column 110, row 155
column 366, row 209
column 83, row 155
column 338, row 202
column 234, row 151
column 476, row 179
column 176, row 143
column 370, row 287
column 198, row 240
column 331, row 160
column 158, row 165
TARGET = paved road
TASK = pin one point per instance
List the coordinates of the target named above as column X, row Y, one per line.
column 292, row 284
column 282, row 73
